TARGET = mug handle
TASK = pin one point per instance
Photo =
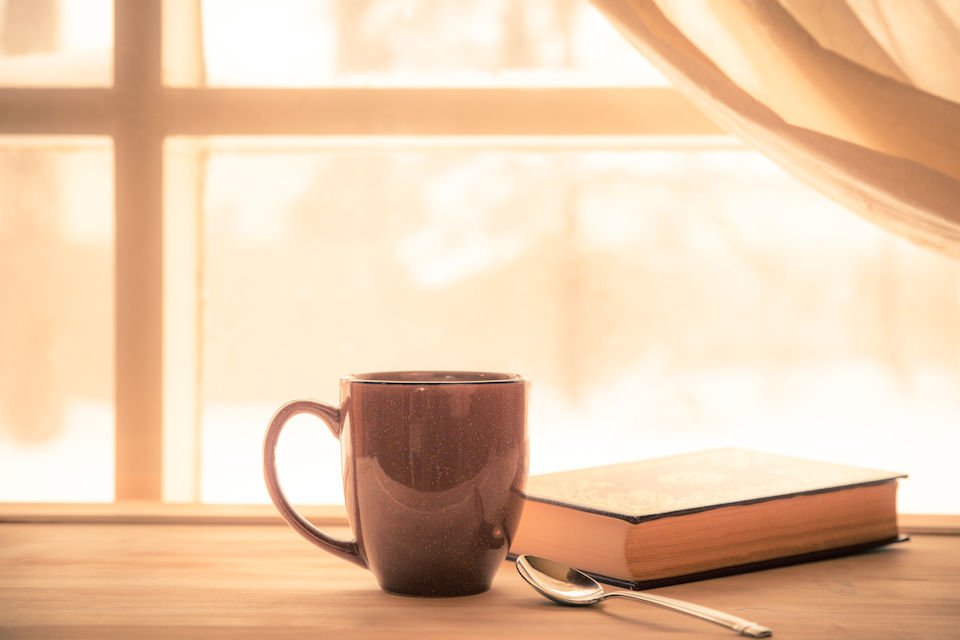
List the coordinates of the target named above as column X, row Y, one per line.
column 346, row 549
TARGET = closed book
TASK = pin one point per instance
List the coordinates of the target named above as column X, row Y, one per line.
column 707, row 514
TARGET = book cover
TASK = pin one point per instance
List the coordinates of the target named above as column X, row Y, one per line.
column 687, row 483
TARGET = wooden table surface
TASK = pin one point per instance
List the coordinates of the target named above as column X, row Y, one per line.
column 263, row 581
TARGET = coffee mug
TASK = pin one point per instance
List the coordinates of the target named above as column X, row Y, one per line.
column 434, row 466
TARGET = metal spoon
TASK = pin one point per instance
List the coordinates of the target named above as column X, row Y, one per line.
column 568, row 586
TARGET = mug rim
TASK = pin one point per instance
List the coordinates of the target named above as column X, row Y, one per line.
column 439, row 377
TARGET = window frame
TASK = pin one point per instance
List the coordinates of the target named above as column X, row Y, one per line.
column 140, row 113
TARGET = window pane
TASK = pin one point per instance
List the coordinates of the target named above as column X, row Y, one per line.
column 56, row 319
column 56, row 43
column 661, row 299
column 416, row 42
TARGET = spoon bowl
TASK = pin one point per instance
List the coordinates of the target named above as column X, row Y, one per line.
column 560, row 583
column 568, row 586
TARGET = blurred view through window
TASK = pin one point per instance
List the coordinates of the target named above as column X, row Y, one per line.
column 46, row 43
column 56, row 319
column 664, row 294
column 410, row 43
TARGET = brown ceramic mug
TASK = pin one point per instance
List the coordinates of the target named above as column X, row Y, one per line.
column 434, row 466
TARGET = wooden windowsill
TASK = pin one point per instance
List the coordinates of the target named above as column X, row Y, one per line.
column 332, row 515
column 114, row 580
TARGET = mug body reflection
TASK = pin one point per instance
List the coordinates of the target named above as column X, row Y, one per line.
column 434, row 467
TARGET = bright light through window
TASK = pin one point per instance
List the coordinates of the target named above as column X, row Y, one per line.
column 56, row 319
column 414, row 43
column 667, row 293
column 51, row 43
column 661, row 298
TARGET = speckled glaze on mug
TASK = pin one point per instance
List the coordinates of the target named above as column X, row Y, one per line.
column 434, row 467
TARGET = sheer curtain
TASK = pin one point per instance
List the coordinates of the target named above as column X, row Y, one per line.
column 859, row 98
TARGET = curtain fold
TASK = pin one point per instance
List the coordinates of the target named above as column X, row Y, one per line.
column 859, row 98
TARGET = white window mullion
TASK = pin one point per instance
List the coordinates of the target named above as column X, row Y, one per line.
column 138, row 158
column 184, row 169
column 602, row 111
column 55, row 111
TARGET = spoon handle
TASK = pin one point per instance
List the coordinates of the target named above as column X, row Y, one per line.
column 741, row 626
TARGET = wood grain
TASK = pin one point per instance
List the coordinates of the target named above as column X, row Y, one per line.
column 243, row 581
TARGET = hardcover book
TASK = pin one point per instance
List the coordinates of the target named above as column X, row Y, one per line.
column 701, row 515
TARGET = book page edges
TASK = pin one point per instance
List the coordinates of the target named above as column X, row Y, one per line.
column 748, row 534
column 604, row 545
column 587, row 541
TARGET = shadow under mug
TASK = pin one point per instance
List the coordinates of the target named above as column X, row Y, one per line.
column 434, row 467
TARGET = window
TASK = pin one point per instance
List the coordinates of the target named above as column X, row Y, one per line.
column 56, row 342
column 509, row 183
